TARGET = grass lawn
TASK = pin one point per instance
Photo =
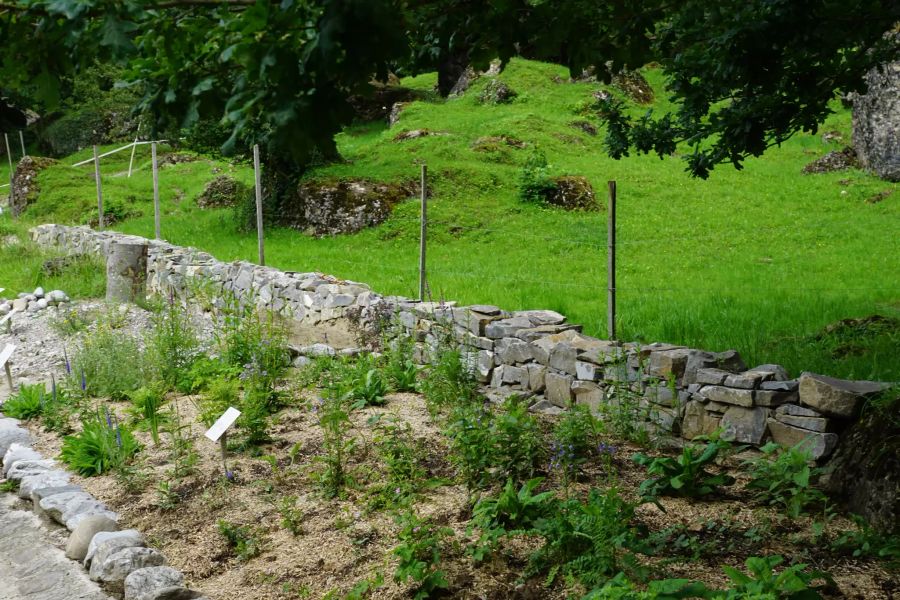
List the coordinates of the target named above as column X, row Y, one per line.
column 760, row 260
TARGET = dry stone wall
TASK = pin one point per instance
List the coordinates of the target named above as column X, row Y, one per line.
column 537, row 354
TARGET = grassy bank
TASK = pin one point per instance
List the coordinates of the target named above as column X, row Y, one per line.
column 760, row 260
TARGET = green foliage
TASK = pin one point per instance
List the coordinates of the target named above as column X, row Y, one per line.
column 762, row 582
column 685, row 475
column 166, row 497
column 246, row 542
column 371, row 389
column 110, row 361
column 419, row 554
column 58, row 409
column 146, row 404
column 447, row 382
column 574, row 440
column 206, row 372
column 69, row 321
column 511, row 511
column 586, row 541
column 220, row 393
column 784, row 477
column 291, row 516
column 333, row 412
column 620, row 588
column 254, row 419
column 27, row 404
column 101, row 446
column 401, row 454
column 535, row 182
column 172, row 342
column 400, row 370
column 487, row 446
column 866, row 541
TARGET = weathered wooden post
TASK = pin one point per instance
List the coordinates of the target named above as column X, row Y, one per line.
column 99, row 189
column 22, row 142
column 259, row 208
column 11, row 173
column 156, row 216
column 611, row 263
column 423, row 233
column 126, row 270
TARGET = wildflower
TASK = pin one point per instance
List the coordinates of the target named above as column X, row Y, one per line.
column 118, row 437
column 83, row 382
column 229, row 475
column 108, row 418
column 68, row 366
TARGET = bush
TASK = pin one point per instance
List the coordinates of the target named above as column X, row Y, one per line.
column 510, row 512
column 792, row 583
column 109, row 363
column 685, row 475
column 27, row 404
column 101, row 446
column 419, row 552
column 783, row 478
column 172, row 343
column 146, row 403
column 535, row 183
column 447, row 382
column 573, row 441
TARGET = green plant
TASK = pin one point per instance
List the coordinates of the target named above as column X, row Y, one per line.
column 620, row 588
column 573, row 442
column 762, row 582
column 254, row 419
column 535, row 182
column 109, row 362
column 172, row 343
column 254, row 341
column 204, row 371
column 166, row 497
column 419, row 554
column 685, row 475
column 291, row 516
column 10, row 485
column 181, row 443
column 220, row 393
column 146, row 404
column 865, row 541
column 783, row 477
column 400, row 370
column 371, row 389
column 448, row 383
column 247, row 542
column 69, row 321
column 58, row 409
column 99, row 447
column 586, row 541
column 333, row 413
column 511, row 511
column 403, row 473
column 27, row 404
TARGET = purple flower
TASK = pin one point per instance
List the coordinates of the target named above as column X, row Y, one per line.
column 108, row 418
column 118, row 437
column 229, row 475
column 83, row 382
column 68, row 366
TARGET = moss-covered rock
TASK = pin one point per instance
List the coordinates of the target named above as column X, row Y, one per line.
column 25, row 182
column 572, row 192
column 222, row 191
column 496, row 92
column 330, row 207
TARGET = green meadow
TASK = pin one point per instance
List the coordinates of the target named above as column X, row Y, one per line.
column 761, row 260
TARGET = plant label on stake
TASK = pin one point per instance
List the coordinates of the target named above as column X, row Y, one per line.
column 4, row 362
column 218, row 432
column 8, row 320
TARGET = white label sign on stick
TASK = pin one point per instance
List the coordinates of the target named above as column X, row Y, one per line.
column 8, row 316
column 223, row 423
column 7, row 352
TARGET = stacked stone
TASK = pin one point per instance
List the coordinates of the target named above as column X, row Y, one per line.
column 532, row 353
column 34, row 301
column 118, row 559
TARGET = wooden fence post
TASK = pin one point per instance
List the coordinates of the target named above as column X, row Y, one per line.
column 611, row 263
column 99, row 190
column 157, row 218
column 423, row 233
column 259, row 215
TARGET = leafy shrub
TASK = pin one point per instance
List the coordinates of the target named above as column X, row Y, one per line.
column 172, row 342
column 334, row 418
column 204, row 372
column 448, row 383
column 254, row 341
column 535, row 183
column 510, row 512
column 146, row 403
column 291, row 516
column 866, row 541
column 247, row 542
column 783, row 478
column 58, row 409
column 400, row 370
column 27, row 404
column 586, row 541
column 419, row 552
column 109, row 363
column 101, row 446
column 685, row 475
column 370, row 389
column 573, row 441
column 487, row 446
column 401, row 456
column 792, row 583
column 620, row 588
column 254, row 419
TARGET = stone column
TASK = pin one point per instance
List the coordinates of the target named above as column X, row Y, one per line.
column 876, row 122
column 126, row 270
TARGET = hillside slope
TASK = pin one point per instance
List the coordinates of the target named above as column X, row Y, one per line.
column 760, row 260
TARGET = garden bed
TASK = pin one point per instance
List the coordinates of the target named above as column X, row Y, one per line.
column 343, row 480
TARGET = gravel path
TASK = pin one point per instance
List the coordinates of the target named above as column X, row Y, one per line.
column 32, row 567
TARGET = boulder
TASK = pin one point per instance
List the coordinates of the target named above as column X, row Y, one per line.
column 40, row 493
column 114, row 568
column 10, row 435
column 836, row 397
column 177, row 593
column 836, row 160
column 572, row 192
column 77, row 546
column 55, row 506
column 25, row 182
column 221, row 192
column 104, row 544
column 876, row 122
column 818, row 444
column 331, row 207
column 47, row 479
column 744, row 425
column 27, row 468
column 633, row 84
column 17, row 452
column 146, row 583
column 496, row 92
column 726, row 395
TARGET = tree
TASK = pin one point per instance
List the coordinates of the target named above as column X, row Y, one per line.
column 744, row 74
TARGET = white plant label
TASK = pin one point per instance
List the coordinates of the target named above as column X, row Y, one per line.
column 7, row 352
column 8, row 316
column 222, row 423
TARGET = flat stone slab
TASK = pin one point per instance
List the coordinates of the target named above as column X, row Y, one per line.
column 726, row 395
column 147, row 583
column 105, row 543
column 17, row 452
column 116, row 567
column 39, row 494
column 54, row 478
column 836, row 397
column 55, row 506
column 819, row 445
